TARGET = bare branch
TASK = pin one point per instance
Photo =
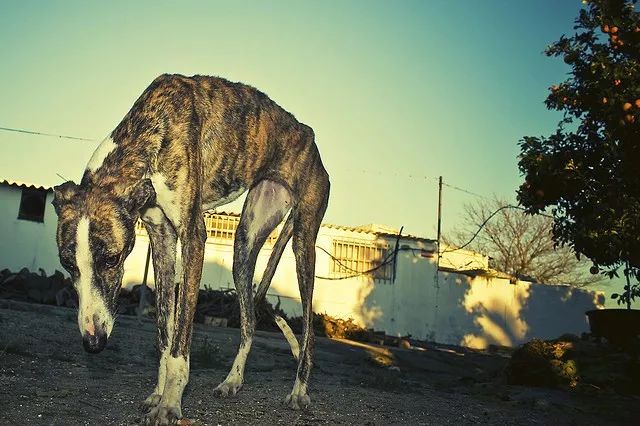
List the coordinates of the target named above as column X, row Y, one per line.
column 520, row 245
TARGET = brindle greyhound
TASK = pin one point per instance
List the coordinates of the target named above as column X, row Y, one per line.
column 187, row 145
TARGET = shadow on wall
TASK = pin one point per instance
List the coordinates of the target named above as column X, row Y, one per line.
column 453, row 308
column 511, row 314
column 472, row 311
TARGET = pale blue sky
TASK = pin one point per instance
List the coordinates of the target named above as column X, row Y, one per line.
column 392, row 89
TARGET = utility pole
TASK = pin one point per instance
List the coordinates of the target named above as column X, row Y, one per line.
column 439, row 228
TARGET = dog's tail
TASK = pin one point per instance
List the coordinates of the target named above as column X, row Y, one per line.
column 261, row 293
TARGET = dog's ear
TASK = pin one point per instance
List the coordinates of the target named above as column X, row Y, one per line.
column 63, row 194
column 141, row 194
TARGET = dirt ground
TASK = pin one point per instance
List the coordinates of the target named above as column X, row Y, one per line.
column 46, row 378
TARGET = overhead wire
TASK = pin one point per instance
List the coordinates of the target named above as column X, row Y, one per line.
column 483, row 224
column 33, row 132
column 386, row 260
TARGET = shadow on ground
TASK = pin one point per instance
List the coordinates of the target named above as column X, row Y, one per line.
column 47, row 378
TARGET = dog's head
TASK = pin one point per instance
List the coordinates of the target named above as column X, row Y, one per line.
column 96, row 232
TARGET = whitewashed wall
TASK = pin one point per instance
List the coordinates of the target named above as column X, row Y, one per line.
column 454, row 309
column 26, row 244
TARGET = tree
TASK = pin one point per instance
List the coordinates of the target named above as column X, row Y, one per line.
column 519, row 244
column 588, row 171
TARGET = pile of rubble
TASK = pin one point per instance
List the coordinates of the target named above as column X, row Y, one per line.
column 56, row 289
column 28, row 286
column 215, row 307
column 221, row 308
column 583, row 364
column 328, row 326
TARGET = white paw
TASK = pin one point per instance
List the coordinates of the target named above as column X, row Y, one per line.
column 163, row 415
column 297, row 401
column 228, row 388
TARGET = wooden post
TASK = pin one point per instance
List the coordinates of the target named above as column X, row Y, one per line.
column 143, row 304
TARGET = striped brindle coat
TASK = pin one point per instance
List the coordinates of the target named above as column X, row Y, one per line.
column 187, row 145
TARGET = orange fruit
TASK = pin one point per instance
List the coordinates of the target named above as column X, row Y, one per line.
column 630, row 118
column 605, row 28
column 614, row 30
column 605, row 100
column 626, row 106
column 637, row 102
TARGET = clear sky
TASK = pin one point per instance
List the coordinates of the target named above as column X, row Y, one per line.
column 394, row 90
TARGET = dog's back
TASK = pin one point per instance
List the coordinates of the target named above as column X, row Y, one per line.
column 242, row 135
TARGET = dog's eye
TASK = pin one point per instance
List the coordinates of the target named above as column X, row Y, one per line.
column 112, row 261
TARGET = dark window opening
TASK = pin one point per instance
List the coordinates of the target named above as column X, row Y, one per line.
column 32, row 204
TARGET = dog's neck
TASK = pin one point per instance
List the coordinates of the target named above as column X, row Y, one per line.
column 116, row 166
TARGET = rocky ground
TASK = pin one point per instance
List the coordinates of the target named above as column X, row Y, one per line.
column 46, row 378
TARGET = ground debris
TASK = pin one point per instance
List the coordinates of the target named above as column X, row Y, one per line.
column 215, row 307
column 584, row 365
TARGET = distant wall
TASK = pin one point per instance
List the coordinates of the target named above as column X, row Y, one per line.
column 26, row 244
column 454, row 309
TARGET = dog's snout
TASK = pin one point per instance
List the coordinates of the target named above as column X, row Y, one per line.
column 94, row 343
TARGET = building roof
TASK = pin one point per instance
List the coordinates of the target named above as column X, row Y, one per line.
column 373, row 229
column 20, row 184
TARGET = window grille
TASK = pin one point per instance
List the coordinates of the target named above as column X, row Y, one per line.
column 221, row 228
column 351, row 258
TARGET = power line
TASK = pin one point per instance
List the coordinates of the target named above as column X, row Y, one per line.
column 419, row 177
column 482, row 225
column 405, row 175
column 33, row 132
column 466, row 191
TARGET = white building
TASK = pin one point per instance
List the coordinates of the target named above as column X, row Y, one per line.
column 462, row 302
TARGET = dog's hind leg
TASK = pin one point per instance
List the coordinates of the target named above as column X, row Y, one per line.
column 163, row 243
column 265, row 207
column 309, row 212
column 270, row 270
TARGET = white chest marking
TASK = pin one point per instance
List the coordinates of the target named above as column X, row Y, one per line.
column 167, row 199
column 153, row 216
column 101, row 152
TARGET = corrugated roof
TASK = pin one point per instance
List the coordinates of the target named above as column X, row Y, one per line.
column 24, row 184
column 365, row 229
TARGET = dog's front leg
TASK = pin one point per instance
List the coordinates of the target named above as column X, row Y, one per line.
column 169, row 408
column 167, row 272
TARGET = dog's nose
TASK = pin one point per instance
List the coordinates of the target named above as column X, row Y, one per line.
column 94, row 343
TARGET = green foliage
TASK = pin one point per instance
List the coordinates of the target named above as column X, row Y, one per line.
column 631, row 291
column 588, row 172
